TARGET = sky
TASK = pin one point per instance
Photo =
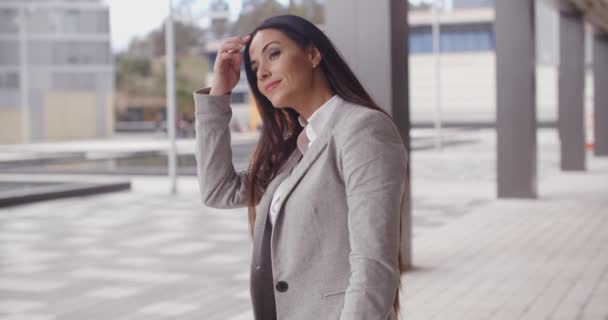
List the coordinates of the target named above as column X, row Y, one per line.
column 136, row 18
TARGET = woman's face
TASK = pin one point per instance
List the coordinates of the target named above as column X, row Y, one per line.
column 284, row 71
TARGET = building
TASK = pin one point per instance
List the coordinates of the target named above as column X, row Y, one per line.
column 466, row 46
column 56, row 70
column 460, row 4
column 467, row 76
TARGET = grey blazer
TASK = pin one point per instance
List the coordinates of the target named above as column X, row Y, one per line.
column 335, row 241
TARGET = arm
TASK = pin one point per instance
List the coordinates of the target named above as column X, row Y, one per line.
column 220, row 185
column 374, row 167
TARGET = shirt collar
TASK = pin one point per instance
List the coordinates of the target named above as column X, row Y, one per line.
column 318, row 120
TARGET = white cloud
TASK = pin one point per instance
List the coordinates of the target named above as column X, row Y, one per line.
column 130, row 18
column 136, row 18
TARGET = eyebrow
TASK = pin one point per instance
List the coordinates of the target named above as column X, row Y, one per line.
column 264, row 49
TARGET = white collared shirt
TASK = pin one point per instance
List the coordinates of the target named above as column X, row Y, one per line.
column 312, row 128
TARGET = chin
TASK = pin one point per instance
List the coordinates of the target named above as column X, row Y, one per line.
column 279, row 103
column 280, row 106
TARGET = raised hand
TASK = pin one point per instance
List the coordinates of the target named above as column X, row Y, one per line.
column 227, row 68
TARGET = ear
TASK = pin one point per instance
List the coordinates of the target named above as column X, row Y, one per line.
column 314, row 56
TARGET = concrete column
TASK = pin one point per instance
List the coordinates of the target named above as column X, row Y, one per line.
column 100, row 106
column 571, row 84
column 600, row 94
column 515, row 99
column 373, row 38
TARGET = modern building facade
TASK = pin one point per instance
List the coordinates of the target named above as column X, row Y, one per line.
column 472, row 4
column 465, row 86
column 467, row 76
column 56, row 70
column 466, row 47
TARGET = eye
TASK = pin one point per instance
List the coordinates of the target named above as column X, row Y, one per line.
column 274, row 54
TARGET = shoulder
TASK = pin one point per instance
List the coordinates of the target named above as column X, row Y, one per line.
column 361, row 120
column 366, row 136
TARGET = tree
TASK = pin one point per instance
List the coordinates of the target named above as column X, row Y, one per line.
column 254, row 12
column 186, row 36
column 420, row 6
column 311, row 10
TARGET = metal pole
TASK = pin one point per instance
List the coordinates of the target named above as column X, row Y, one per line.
column 24, row 76
column 437, row 56
column 170, row 96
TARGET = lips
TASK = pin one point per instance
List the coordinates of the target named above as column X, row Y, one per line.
column 271, row 86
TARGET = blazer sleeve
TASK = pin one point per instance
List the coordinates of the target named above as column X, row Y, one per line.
column 220, row 185
column 373, row 160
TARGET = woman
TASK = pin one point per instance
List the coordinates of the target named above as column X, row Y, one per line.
column 325, row 183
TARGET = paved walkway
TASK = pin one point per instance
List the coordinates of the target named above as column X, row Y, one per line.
column 519, row 259
column 144, row 254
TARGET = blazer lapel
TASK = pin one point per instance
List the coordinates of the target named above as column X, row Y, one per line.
column 274, row 184
column 264, row 205
column 313, row 154
column 298, row 172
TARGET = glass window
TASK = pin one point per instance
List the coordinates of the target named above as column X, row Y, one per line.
column 8, row 21
column 421, row 40
column 102, row 21
column 71, row 21
column 43, row 20
column 238, row 97
column 74, row 81
column 68, row 21
column 84, row 21
column 212, row 56
column 69, row 52
column 9, row 80
column 453, row 38
column 9, row 52
column 467, row 38
column 135, row 114
column 472, row 3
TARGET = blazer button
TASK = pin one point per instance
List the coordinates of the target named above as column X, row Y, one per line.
column 282, row 286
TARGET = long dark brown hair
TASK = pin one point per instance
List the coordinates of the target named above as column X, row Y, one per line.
column 280, row 127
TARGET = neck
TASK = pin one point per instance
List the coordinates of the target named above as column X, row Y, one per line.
column 318, row 93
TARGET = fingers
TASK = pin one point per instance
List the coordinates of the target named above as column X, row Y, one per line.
column 231, row 47
column 234, row 43
column 238, row 40
column 226, row 56
column 228, row 59
column 241, row 40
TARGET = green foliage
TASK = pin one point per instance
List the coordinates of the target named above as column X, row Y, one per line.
column 311, row 10
column 130, row 65
column 186, row 36
column 255, row 12
column 420, row 6
column 134, row 75
column 140, row 74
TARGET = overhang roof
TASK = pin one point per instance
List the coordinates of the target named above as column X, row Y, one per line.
column 595, row 11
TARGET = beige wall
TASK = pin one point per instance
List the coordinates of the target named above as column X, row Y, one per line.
column 109, row 113
column 468, row 88
column 10, row 125
column 69, row 115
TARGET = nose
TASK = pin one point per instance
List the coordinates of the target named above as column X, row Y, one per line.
column 263, row 74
